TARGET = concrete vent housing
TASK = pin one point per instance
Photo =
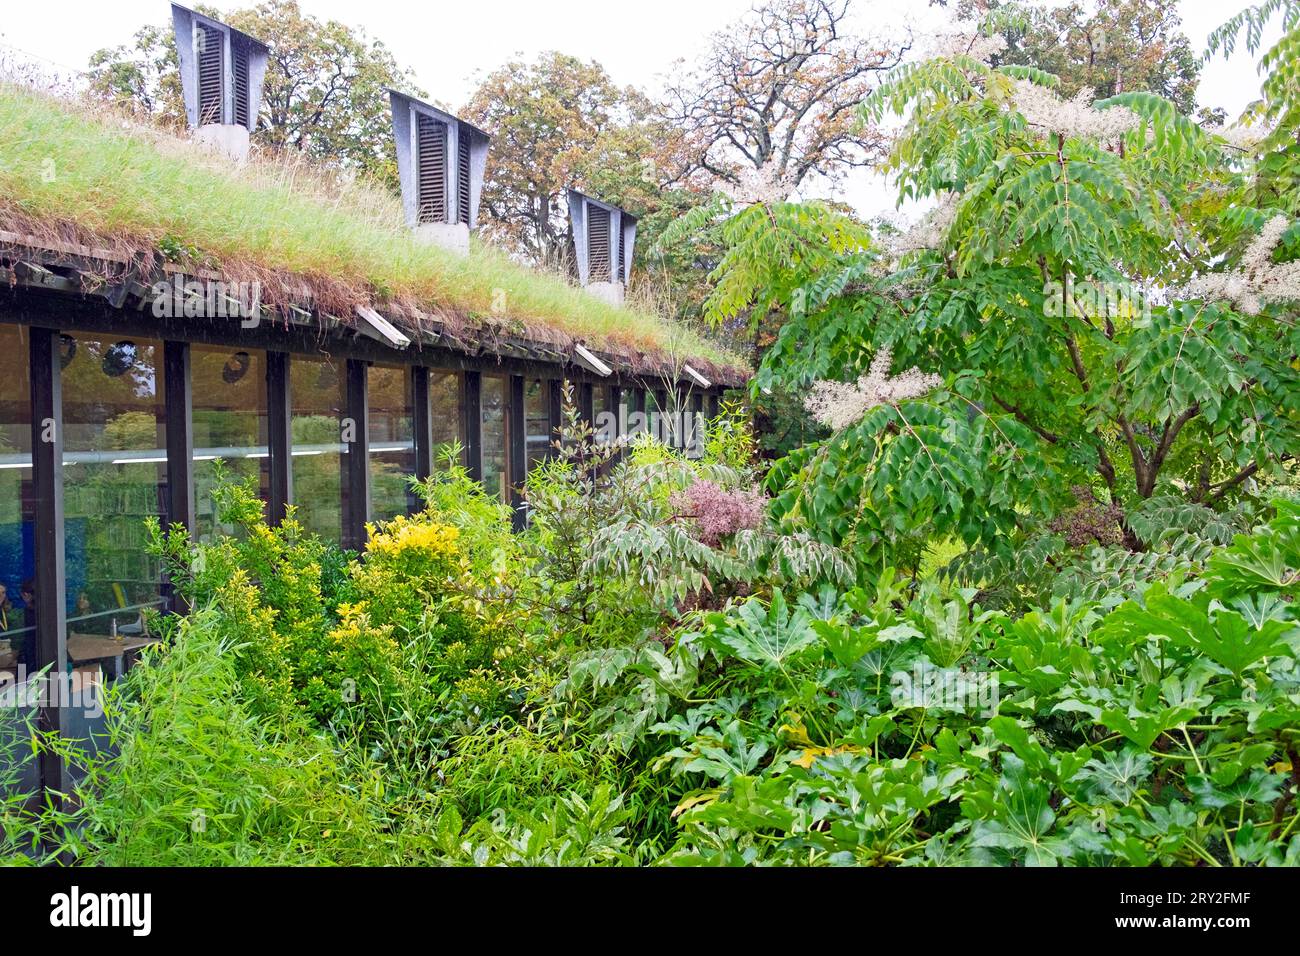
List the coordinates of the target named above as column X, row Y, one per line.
column 222, row 71
column 440, row 162
column 603, row 240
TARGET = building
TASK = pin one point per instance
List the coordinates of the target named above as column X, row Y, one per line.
column 133, row 359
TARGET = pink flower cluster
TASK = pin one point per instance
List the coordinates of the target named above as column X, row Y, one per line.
column 718, row 512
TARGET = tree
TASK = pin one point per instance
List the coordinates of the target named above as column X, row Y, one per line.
column 1268, row 128
column 778, row 92
column 1107, row 46
column 144, row 76
column 547, row 119
column 324, row 94
column 1111, row 46
column 1029, row 290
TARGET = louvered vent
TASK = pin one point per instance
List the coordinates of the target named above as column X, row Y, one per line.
column 209, row 43
column 432, row 170
column 622, row 241
column 462, row 178
column 598, row 244
column 239, row 66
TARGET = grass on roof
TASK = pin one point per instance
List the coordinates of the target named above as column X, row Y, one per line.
column 68, row 165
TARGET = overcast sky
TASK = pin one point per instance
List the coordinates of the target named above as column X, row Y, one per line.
column 448, row 45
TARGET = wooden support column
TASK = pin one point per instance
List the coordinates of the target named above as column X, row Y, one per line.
column 356, row 462
column 517, row 453
column 279, row 435
column 422, row 422
column 179, row 429
column 50, row 579
column 178, row 396
column 472, row 409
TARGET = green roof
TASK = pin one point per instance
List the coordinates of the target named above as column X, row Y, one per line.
column 72, row 174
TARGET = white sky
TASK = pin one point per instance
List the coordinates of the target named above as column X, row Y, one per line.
column 636, row 43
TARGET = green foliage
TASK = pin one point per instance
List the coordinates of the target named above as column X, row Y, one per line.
column 1031, row 299
column 198, row 777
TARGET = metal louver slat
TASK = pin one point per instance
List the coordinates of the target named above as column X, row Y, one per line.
column 462, row 178
column 210, row 60
column 239, row 69
column 431, row 170
column 597, row 244
column 621, row 271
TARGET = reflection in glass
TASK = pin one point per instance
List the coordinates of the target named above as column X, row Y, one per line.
column 230, row 426
column 17, row 634
column 319, row 401
column 537, row 420
column 114, row 476
column 599, row 406
column 445, row 410
column 17, row 637
column 392, row 441
column 495, row 436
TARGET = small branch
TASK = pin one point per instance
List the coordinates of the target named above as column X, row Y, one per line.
column 1223, row 487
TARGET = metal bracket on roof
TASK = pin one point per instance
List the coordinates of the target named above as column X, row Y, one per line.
column 696, row 377
column 589, row 361
column 377, row 327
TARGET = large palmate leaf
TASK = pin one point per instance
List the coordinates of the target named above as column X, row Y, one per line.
column 764, row 636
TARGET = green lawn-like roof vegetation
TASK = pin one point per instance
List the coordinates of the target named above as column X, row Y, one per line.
column 88, row 175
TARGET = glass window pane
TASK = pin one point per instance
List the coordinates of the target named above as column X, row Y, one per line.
column 495, row 435
column 17, row 636
column 114, row 476
column 445, row 409
column 604, row 428
column 230, row 425
column 537, row 420
column 392, row 441
column 17, row 566
column 319, row 400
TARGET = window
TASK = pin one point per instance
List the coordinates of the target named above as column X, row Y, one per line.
column 537, row 420
column 445, row 409
column 318, row 396
column 495, row 419
column 230, row 426
column 392, row 441
column 17, row 564
column 605, row 428
column 114, row 476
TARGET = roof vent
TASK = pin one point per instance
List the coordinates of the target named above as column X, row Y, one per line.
column 603, row 238
column 222, row 71
column 440, row 161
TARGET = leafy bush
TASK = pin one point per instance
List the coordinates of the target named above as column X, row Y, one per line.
column 196, row 776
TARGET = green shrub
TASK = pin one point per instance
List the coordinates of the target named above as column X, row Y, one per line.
column 202, row 778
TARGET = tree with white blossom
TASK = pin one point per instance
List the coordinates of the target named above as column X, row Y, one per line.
column 1093, row 299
